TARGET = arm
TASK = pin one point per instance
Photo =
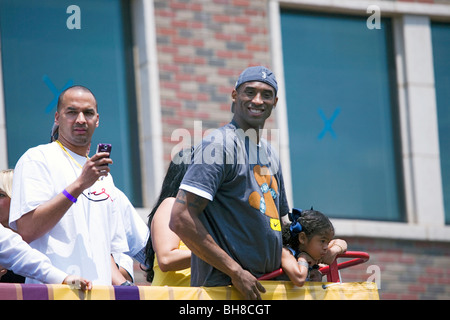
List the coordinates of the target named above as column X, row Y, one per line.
column 19, row 257
column 186, row 223
column 117, row 278
column 335, row 247
column 296, row 272
column 166, row 242
column 41, row 220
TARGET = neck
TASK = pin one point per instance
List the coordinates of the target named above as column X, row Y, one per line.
column 245, row 127
column 80, row 150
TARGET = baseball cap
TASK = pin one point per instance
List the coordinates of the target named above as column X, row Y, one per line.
column 258, row 73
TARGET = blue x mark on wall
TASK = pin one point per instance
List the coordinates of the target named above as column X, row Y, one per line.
column 55, row 91
column 328, row 123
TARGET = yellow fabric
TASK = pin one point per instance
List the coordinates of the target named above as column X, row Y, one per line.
column 63, row 292
column 179, row 278
column 276, row 290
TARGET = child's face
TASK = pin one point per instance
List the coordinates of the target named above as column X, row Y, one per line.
column 317, row 246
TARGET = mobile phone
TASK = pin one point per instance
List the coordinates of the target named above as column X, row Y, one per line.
column 104, row 147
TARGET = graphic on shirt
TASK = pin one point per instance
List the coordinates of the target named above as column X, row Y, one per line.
column 97, row 196
column 265, row 203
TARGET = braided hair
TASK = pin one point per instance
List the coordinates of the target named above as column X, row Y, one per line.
column 311, row 222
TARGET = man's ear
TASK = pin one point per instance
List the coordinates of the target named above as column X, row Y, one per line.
column 233, row 95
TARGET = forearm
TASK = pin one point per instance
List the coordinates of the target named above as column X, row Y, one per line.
column 41, row 220
column 296, row 273
column 192, row 232
column 117, row 278
column 174, row 260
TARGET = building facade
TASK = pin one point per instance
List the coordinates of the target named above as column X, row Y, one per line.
column 362, row 124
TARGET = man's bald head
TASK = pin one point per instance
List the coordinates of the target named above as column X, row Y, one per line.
column 75, row 88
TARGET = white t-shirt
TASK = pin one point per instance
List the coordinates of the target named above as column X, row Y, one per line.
column 137, row 234
column 18, row 256
column 89, row 232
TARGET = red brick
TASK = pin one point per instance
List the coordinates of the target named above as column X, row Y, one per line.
column 179, row 24
column 417, row 288
column 164, row 13
column 435, row 270
column 183, row 77
column 178, row 5
column 409, row 296
column 195, row 7
column 202, row 97
column 256, row 47
column 169, row 67
column 201, row 79
column 180, row 41
column 224, row 54
column 426, row 279
column 170, row 85
column 388, row 296
column 182, row 59
column 171, row 103
column 241, row 3
column 185, row 95
column 168, row 49
column 166, row 31
column 221, row 18
column 173, row 121
column 241, row 20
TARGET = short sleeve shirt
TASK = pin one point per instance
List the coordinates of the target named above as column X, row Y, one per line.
column 244, row 184
column 90, row 231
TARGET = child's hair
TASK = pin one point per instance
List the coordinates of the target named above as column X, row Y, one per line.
column 311, row 222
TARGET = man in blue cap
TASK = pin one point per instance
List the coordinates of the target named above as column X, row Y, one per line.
column 229, row 212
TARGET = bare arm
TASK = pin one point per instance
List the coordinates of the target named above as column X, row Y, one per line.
column 335, row 247
column 186, row 223
column 165, row 242
column 41, row 220
column 117, row 278
column 296, row 272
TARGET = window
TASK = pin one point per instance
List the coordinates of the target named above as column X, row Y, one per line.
column 440, row 33
column 41, row 56
column 342, row 116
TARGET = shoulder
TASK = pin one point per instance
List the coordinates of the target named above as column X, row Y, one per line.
column 165, row 206
column 167, row 203
column 39, row 151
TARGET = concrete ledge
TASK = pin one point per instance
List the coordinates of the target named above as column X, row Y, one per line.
column 390, row 230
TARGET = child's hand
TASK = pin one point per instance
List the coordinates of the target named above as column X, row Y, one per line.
column 315, row 275
column 336, row 247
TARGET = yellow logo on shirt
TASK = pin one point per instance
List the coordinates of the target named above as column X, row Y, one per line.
column 265, row 203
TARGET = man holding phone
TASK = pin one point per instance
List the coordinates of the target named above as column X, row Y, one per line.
column 63, row 201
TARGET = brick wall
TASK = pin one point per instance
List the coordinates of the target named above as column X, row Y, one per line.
column 408, row 269
column 202, row 48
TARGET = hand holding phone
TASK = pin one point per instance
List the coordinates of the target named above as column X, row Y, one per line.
column 104, row 147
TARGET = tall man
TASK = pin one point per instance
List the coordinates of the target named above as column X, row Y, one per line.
column 63, row 201
column 232, row 199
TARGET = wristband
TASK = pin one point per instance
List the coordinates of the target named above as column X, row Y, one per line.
column 69, row 196
column 303, row 263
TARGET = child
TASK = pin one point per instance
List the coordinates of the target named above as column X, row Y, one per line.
column 309, row 238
